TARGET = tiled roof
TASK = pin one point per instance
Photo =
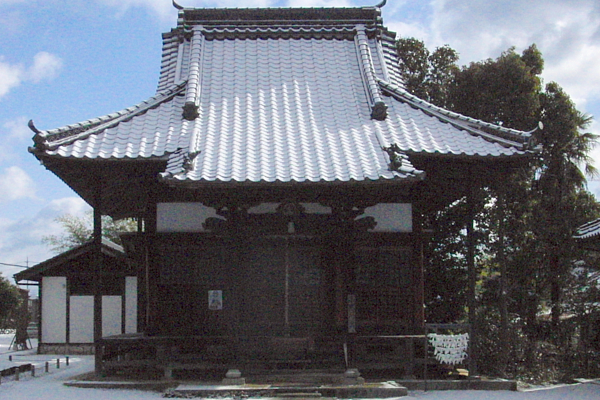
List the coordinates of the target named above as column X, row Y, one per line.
column 588, row 230
column 290, row 95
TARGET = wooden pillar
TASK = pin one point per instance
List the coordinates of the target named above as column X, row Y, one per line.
column 472, row 301
column 97, row 238
column 151, row 274
column 418, row 277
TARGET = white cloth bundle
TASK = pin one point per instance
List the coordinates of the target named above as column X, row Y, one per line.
column 449, row 349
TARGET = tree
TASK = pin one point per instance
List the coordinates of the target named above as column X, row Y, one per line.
column 525, row 222
column 10, row 301
column 560, row 182
column 427, row 75
column 79, row 230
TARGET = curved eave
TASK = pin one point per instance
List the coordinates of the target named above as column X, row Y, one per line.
column 519, row 155
column 588, row 231
column 48, row 141
column 506, row 137
column 195, row 184
column 43, row 155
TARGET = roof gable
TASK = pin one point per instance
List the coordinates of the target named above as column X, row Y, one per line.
column 35, row 273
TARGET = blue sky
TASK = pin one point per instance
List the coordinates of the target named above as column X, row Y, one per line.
column 64, row 61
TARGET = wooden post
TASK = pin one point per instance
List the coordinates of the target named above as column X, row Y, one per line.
column 472, row 302
column 419, row 279
column 151, row 274
column 98, row 276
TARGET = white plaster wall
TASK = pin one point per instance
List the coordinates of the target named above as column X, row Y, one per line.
column 54, row 309
column 391, row 217
column 81, row 319
column 131, row 305
column 112, row 315
column 182, row 217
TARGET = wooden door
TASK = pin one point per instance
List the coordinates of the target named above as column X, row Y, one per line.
column 281, row 290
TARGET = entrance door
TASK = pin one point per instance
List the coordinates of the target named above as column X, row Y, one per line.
column 281, row 290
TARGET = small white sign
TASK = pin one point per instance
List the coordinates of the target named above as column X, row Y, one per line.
column 215, row 299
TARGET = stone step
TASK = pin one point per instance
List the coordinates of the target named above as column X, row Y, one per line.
column 366, row 391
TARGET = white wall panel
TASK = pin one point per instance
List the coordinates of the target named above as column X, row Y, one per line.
column 391, row 217
column 182, row 217
column 54, row 309
column 112, row 315
column 131, row 305
column 81, row 319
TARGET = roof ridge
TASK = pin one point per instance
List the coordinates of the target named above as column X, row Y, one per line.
column 44, row 140
column 239, row 15
column 194, row 86
column 508, row 137
column 365, row 62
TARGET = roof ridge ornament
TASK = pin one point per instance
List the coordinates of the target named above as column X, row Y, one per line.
column 380, row 5
column 367, row 71
column 177, row 6
column 31, row 126
column 190, row 108
column 395, row 154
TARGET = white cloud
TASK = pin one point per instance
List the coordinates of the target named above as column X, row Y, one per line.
column 163, row 9
column 17, row 129
column 567, row 33
column 45, row 66
column 15, row 133
column 409, row 30
column 66, row 205
column 15, row 184
column 11, row 76
column 21, row 240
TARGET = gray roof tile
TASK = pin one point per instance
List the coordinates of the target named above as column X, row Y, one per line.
column 286, row 102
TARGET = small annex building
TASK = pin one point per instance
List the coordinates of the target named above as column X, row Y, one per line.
column 280, row 175
column 67, row 287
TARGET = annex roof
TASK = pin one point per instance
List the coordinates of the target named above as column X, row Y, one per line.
column 281, row 95
column 35, row 273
